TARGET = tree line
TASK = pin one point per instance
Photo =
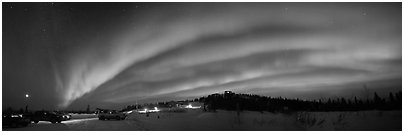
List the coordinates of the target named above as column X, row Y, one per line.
column 239, row 102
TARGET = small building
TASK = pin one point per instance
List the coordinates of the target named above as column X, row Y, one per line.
column 228, row 94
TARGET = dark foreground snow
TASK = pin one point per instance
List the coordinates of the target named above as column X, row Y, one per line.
column 195, row 120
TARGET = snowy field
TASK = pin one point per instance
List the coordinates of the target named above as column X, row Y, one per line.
column 83, row 116
column 194, row 120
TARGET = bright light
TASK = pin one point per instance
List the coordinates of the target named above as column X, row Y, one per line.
column 192, row 107
column 155, row 110
column 79, row 120
column 16, row 115
column 26, row 95
column 142, row 111
column 188, row 106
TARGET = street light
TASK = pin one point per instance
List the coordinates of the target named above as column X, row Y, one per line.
column 26, row 107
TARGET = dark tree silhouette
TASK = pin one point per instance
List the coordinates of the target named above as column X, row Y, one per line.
column 231, row 101
column 240, row 102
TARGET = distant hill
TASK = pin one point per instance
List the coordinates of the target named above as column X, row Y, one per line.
column 231, row 101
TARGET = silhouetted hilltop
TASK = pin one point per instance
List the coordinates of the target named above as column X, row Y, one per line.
column 231, row 101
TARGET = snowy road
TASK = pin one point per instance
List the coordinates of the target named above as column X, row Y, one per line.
column 230, row 121
column 82, row 125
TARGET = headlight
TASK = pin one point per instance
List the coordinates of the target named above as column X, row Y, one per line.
column 16, row 115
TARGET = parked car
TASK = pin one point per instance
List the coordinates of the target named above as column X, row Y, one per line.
column 65, row 116
column 15, row 120
column 111, row 114
column 46, row 116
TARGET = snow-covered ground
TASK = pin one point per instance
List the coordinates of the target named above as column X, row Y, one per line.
column 194, row 120
column 83, row 116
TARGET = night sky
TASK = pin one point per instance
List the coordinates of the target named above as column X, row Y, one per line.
column 69, row 55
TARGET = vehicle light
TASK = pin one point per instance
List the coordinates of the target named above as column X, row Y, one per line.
column 15, row 115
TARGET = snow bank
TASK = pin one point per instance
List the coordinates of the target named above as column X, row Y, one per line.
column 197, row 120
column 83, row 116
column 247, row 120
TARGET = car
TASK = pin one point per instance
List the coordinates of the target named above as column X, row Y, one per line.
column 146, row 111
column 65, row 116
column 46, row 116
column 111, row 114
column 15, row 120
